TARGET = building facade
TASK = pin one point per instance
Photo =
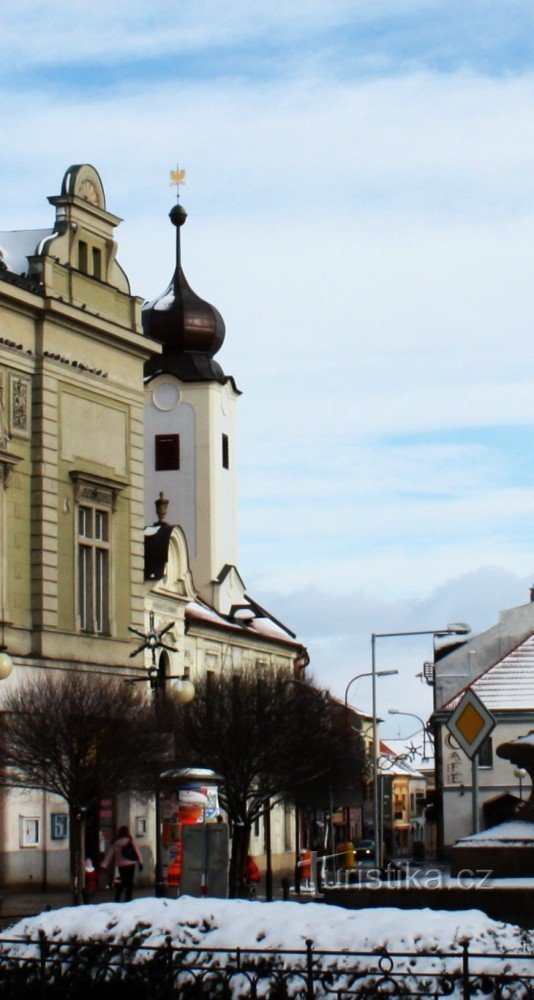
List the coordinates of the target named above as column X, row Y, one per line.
column 72, row 351
column 498, row 666
column 106, row 407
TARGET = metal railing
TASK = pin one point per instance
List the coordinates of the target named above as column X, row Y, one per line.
column 45, row 967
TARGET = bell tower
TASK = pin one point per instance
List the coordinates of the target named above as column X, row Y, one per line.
column 190, row 428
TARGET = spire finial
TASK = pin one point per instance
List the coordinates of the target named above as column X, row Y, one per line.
column 177, row 179
column 162, row 505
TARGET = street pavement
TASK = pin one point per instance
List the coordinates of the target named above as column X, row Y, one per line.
column 15, row 905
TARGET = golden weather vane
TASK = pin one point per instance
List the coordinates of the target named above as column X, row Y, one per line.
column 177, row 180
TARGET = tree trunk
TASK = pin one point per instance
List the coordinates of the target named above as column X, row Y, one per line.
column 238, row 858
column 77, row 853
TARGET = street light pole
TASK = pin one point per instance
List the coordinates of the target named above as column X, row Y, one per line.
column 457, row 629
column 374, row 674
column 424, row 726
column 152, row 640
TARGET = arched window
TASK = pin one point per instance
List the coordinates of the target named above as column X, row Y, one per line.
column 164, row 667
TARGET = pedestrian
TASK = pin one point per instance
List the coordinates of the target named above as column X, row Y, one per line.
column 251, row 877
column 92, row 881
column 123, row 854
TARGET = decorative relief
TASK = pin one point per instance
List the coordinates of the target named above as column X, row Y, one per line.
column 4, row 433
column 88, row 190
column 20, row 409
column 87, row 487
column 96, row 494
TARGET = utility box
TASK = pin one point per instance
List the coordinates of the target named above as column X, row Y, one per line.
column 205, row 860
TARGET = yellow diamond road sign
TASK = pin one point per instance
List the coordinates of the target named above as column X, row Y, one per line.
column 470, row 723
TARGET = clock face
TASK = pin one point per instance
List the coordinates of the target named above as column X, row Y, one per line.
column 166, row 396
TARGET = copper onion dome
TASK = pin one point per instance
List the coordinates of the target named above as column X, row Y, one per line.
column 190, row 329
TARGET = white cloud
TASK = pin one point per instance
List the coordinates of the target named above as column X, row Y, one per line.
column 369, row 245
column 338, row 628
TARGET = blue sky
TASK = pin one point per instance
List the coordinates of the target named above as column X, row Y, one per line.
column 361, row 209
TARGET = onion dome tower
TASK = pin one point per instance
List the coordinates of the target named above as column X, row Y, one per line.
column 190, row 430
column 190, row 329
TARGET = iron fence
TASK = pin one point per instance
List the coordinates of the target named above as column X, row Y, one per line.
column 45, row 967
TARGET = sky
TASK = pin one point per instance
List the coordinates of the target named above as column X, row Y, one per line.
column 360, row 202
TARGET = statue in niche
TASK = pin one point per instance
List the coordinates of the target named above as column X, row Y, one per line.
column 19, row 405
column 4, row 432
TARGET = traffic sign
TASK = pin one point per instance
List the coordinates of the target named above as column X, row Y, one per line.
column 470, row 723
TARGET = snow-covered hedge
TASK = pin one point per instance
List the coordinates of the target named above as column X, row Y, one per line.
column 210, row 925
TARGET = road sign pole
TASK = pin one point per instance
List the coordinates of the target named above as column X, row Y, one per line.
column 474, row 792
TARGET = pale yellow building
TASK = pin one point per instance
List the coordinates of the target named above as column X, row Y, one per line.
column 72, row 351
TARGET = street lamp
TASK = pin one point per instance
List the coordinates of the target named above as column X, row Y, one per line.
column 411, row 715
column 458, row 628
column 6, row 665
column 153, row 640
column 379, row 673
column 520, row 773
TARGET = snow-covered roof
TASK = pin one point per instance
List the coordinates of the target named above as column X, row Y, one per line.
column 508, row 684
column 514, row 833
column 16, row 246
column 262, row 627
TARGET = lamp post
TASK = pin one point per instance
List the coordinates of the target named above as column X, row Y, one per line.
column 152, row 640
column 520, row 773
column 378, row 673
column 456, row 629
column 411, row 715
column 6, row 664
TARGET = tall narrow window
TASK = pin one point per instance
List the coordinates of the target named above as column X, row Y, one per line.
column 97, row 263
column 82, row 256
column 485, row 753
column 167, row 452
column 225, row 452
column 93, row 569
column 288, row 815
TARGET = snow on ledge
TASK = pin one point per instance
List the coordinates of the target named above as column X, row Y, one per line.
column 514, row 833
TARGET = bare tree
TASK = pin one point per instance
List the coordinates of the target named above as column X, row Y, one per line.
column 80, row 736
column 270, row 737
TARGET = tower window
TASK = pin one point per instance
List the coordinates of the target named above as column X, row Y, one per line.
column 97, row 263
column 167, row 452
column 82, row 256
column 225, row 452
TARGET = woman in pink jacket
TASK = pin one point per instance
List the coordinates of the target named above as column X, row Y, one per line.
column 124, row 855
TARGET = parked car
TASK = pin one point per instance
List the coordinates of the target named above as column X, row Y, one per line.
column 364, row 850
